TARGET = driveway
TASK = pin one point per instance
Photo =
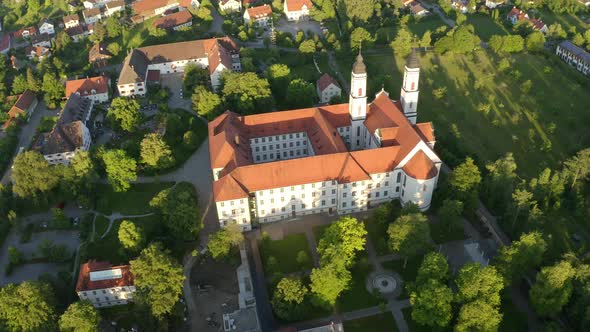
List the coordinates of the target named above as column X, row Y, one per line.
column 28, row 132
column 217, row 22
column 292, row 27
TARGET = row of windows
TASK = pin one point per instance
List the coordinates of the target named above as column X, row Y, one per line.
column 278, row 146
column 278, row 137
column 291, row 153
column 231, row 203
column 313, row 194
column 293, row 207
column 313, row 185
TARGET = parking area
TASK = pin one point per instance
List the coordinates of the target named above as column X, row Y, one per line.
column 294, row 27
column 174, row 83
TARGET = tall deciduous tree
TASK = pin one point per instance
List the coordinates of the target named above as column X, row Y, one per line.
column 206, row 103
column 221, row 242
column 288, row 298
column 475, row 282
column 329, row 281
column 53, row 89
column 361, row 37
column 28, row 306
column 342, row 239
column 307, row 46
column 194, row 76
column 179, row 209
column 431, row 304
column 120, row 169
column 300, row 94
column 33, row 82
column 450, row 213
column 19, row 85
column 32, row 175
column 125, row 113
column 434, row 266
column 361, row 10
column 478, row 316
column 246, row 92
column 553, row 288
column 409, row 234
column 80, row 316
column 535, row 41
column 158, row 278
column 130, row 235
column 155, row 152
column 578, row 166
column 402, row 44
column 515, row 260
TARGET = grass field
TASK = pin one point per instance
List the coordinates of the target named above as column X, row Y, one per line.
column 378, row 323
column 485, row 26
column 431, row 22
column 408, row 273
column 566, row 20
column 356, row 296
column 101, row 224
column 540, row 127
column 134, row 201
column 285, row 251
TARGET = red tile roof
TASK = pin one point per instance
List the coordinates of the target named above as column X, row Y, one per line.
column 173, row 20
column 426, row 131
column 297, row 5
column 85, row 86
column 325, row 81
column 420, row 167
column 259, row 11
column 519, row 14
column 85, row 284
column 19, row 33
column 24, row 101
column 73, row 17
column 537, row 24
column 38, row 51
column 144, row 7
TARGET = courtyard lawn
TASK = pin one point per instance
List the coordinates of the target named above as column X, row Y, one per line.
column 540, row 127
column 378, row 323
column 101, row 224
column 485, row 26
column 285, row 251
column 356, row 296
column 408, row 274
column 134, row 201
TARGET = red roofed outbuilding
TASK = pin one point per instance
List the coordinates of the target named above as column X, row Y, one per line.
column 297, row 10
column 93, row 88
column 327, row 88
column 105, row 285
column 259, row 15
column 175, row 21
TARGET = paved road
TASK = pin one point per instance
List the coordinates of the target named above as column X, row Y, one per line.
column 435, row 8
column 217, row 22
column 28, row 132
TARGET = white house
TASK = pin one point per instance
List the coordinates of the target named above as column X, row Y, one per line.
column 461, row 5
column 260, row 15
column 46, row 28
column 113, row 7
column 331, row 159
column 516, row 15
column 416, row 9
column 575, row 56
column 92, row 15
column 94, row 88
column 494, row 3
column 70, row 133
column 37, row 52
column 175, row 21
column 105, row 285
column 216, row 54
column 229, row 6
column 71, row 21
column 327, row 88
column 89, row 4
column 296, row 10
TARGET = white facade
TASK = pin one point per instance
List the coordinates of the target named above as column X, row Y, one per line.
column 280, row 147
column 580, row 61
column 72, row 23
column 296, row 15
column 133, row 89
column 493, row 4
column 66, row 157
column 96, row 97
column 112, row 10
column 109, row 296
column 92, row 19
column 357, row 106
column 409, row 93
column 329, row 92
column 185, row 25
column 235, row 211
column 230, row 6
column 46, row 28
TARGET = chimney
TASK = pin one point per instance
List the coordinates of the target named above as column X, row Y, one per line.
column 237, row 139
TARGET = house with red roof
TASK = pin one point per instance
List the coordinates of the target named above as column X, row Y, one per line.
column 515, row 15
column 296, row 10
column 327, row 88
column 25, row 32
column 175, row 21
column 340, row 158
column 94, row 88
column 105, row 285
column 37, row 52
column 260, row 15
column 24, row 106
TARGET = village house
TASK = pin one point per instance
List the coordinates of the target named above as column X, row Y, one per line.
column 575, row 56
column 113, row 7
column 70, row 133
column 42, row 40
column 259, row 15
column 230, row 6
column 25, row 32
column 46, row 28
column 94, row 88
column 417, row 10
column 79, row 32
column 71, row 21
column 37, row 52
column 89, row 4
column 327, row 88
column 461, row 5
column 216, row 54
column 24, row 106
column 92, row 15
column 150, row 8
column 491, row 4
column 98, row 55
column 516, row 15
column 105, row 285
column 296, row 10
column 175, row 21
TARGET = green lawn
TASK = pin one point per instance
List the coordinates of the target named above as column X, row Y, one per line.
column 541, row 127
column 285, row 251
column 356, row 296
column 408, row 274
column 378, row 323
column 134, row 201
column 485, row 26
column 431, row 22
column 566, row 20
column 101, row 225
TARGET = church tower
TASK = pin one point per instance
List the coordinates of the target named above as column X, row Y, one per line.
column 409, row 93
column 357, row 103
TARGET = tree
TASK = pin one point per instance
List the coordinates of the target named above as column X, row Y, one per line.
column 206, row 103
column 402, row 44
column 114, row 48
column 535, row 41
column 53, row 89
column 409, row 235
column 14, row 256
column 522, row 199
column 475, row 282
column 478, row 316
column 321, row 10
column 130, row 235
column 125, row 113
column 278, row 75
column 578, row 39
column 553, row 288
column 555, row 31
column 80, row 316
column 434, row 266
column 361, row 10
column 288, row 298
column 461, row 18
column 513, row 44
column 307, row 46
column 120, row 169
column 450, row 213
column 342, row 239
column 460, row 40
column 220, row 243
column 360, row 37
column 328, row 281
column 426, row 39
column 28, row 306
column 499, row 182
column 179, row 209
column 195, row 76
column 99, row 33
column 62, row 40
column 19, row 85
column 113, row 27
column 514, row 261
column 32, row 81
column 246, row 92
column 300, row 94
column 32, row 175
column 156, row 31
column 431, row 304
column 158, row 279
column 496, row 42
column 578, row 166
column 466, row 177
column 155, row 152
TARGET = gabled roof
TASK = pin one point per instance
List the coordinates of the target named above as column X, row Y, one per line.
column 115, row 4
column 420, row 167
column 85, row 283
column 85, row 86
column 173, row 20
column 19, row 33
column 24, row 101
column 259, row 11
column 325, row 81
column 69, row 18
column 297, row 5
column 149, row 6
column 575, row 50
column 519, row 14
column 91, row 12
column 426, row 131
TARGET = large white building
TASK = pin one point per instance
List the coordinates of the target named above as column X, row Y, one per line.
column 574, row 56
column 105, row 285
column 296, row 10
column 330, row 159
column 216, row 54
column 95, row 88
